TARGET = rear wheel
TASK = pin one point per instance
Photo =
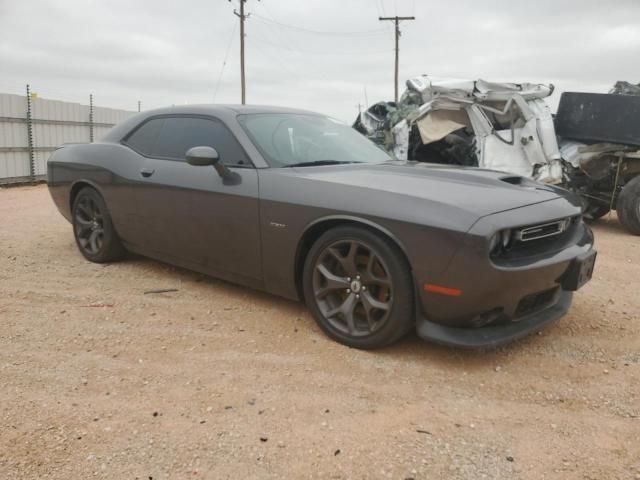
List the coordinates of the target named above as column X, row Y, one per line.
column 93, row 230
column 628, row 206
column 358, row 287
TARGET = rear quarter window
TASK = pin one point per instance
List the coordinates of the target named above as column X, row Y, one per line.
column 143, row 139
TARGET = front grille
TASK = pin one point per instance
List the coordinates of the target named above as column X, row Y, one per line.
column 535, row 232
column 535, row 301
column 537, row 239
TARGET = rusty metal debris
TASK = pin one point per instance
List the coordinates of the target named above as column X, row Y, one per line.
column 625, row 88
column 160, row 290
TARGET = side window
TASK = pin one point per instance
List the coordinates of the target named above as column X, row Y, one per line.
column 179, row 134
column 143, row 139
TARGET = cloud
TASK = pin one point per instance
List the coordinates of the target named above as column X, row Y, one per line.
column 315, row 55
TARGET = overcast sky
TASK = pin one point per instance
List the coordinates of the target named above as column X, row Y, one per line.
column 319, row 55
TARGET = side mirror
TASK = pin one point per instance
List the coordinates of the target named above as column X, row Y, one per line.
column 202, row 156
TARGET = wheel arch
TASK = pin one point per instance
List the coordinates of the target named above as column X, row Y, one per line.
column 318, row 227
column 78, row 185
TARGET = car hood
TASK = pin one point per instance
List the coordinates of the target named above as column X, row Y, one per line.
column 478, row 191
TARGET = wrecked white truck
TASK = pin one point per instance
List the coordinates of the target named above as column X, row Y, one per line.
column 509, row 127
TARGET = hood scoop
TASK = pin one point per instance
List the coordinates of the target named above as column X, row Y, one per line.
column 514, row 180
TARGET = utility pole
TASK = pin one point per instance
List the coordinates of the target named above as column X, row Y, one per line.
column 242, row 16
column 397, row 21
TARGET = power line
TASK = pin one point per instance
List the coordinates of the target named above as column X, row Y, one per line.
column 319, row 32
column 384, row 14
column 276, row 58
column 282, row 36
column 224, row 62
column 380, row 14
column 292, row 46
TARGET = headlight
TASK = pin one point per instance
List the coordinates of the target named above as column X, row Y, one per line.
column 494, row 243
column 505, row 237
column 500, row 241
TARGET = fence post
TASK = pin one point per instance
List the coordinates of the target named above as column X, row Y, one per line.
column 91, row 117
column 32, row 160
column 139, row 104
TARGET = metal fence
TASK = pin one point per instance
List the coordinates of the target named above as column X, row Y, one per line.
column 31, row 128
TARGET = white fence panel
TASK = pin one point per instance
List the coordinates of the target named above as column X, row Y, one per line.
column 53, row 123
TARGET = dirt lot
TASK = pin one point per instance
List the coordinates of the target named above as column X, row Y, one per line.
column 216, row 381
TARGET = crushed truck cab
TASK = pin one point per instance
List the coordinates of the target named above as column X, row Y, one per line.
column 500, row 126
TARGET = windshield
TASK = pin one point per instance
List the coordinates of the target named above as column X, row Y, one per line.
column 292, row 139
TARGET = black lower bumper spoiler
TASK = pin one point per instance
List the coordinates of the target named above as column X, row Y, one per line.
column 493, row 336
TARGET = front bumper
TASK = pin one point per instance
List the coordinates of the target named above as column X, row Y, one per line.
column 494, row 335
column 505, row 298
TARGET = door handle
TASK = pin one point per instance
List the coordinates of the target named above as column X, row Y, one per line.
column 146, row 172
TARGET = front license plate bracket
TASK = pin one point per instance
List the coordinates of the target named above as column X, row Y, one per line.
column 579, row 272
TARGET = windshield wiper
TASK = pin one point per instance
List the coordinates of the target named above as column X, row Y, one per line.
column 318, row 163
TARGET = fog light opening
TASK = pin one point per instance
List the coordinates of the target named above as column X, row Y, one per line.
column 488, row 317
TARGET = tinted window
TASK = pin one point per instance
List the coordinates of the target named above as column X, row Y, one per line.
column 143, row 139
column 287, row 139
column 179, row 134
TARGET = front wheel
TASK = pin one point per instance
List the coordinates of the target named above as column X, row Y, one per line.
column 628, row 206
column 358, row 288
column 95, row 236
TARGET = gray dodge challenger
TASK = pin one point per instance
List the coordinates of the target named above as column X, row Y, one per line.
column 300, row 205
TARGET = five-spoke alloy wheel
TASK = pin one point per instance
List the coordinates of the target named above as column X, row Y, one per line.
column 92, row 228
column 358, row 287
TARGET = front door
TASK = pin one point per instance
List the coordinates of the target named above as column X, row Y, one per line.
column 190, row 216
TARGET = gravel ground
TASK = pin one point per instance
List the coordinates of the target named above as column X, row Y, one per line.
column 216, row 381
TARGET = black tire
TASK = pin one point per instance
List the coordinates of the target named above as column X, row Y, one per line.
column 93, row 230
column 594, row 211
column 628, row 206
column 358, row 287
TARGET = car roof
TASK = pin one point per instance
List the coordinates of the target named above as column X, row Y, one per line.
column 225, row 109
column 224, row 112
